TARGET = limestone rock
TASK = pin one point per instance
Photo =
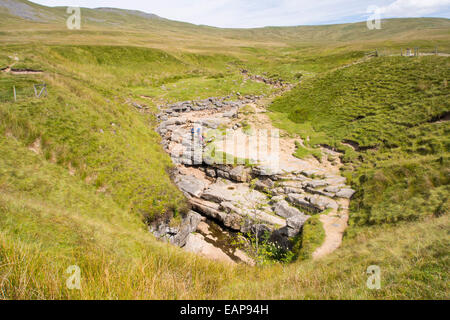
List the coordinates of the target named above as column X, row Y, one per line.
column 239, row 174
column 231, row 114
column 332, row 189
column 211, row 172
column 191, row 185
column 316, row 183
column 177, row 235
column 345, row 193
column 196, row 243
column 295, row 224
column 265, row 171
column 283, row 209
column 188, row 225
column 322, row 203
column 244, row 257
column 223, row 174
column 264, row 185
column 301, row 201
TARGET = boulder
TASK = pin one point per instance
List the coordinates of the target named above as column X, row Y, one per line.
column 310, row 173
column 211, row 172
column 336, row 180
column 265, row 171
column 224, row 190
column 190, row 185
column 332, row 189
column 320, row 192
column 283, row 209
column 300, row 200
column 316, row 183
column 295, row 224
column 209, row 209
column 223, row 174
column 323, row 203
column 292, row 184
column 239, row 174
column 177, row 235
column 277, row 191
column 231, row 114
column 345, row 193
column 264, row 185
column 276, row 199
column 188, row 225
column 288, row 190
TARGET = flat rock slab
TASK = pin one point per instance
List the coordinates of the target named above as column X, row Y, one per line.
column 237, row 193
column 283, row 209
column 196, row 243
column 322, row 202
column 345, row 193
column 191, row 185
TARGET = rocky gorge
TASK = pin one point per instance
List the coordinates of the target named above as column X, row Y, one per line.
column 231, row 192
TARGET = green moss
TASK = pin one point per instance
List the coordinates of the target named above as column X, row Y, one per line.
column 310, row 239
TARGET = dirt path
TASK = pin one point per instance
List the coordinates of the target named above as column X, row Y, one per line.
column 242, row 129
column 334, row 225
column 335, row 222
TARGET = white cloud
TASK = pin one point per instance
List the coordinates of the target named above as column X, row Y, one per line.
column 259, row 13
column 415, row 8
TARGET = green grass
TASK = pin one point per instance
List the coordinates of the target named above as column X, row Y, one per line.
column 198, row 88
column 51, row 220
column 389, row 109
column 83, row 200
column 88, row 126
column 302, row 152
column 310, row 239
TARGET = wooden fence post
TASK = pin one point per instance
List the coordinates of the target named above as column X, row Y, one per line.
column 15, row 97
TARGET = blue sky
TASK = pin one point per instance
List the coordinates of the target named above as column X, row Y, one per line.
column 259, row 13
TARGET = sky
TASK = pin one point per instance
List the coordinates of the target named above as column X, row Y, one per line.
column 260, row 13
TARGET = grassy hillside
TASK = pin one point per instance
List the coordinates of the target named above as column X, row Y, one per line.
column 388, row 116
column 81, row 170
column 51, row 220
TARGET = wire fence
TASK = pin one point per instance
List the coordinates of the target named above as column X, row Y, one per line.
column 409, row 52
column 20, row 92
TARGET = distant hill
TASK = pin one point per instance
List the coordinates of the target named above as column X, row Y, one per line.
column 20, row 15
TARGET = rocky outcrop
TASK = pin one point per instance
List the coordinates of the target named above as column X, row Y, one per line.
column 240, row 174
column 276, row 83
column 283, row 209
column 190, row 185
column 295, row 224
column 345, row 193
column 177, row 235
column 258, row 199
